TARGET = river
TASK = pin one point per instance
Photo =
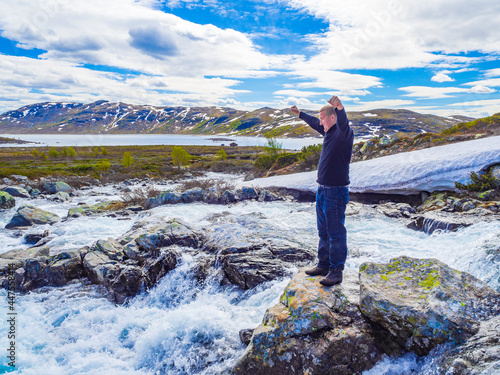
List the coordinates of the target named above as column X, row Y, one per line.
column 184, row 327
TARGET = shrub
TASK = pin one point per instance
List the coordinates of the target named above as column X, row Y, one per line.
column 127, row 159
column 102, row 166
column 53, row 153
column 104, row 151
column 285, row 160
column 478, row 182
column 180, row 157
column 140, row 196
column 273, row 146
column 221, row 155
column 35, row 153
column 71, row 152
column 221, row 185
column 265, row 161
column 310, row 155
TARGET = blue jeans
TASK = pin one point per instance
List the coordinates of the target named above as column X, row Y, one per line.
column 331, row 203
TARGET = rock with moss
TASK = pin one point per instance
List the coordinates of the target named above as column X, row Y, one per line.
column 423, row 302
column 55, row 187
column 312, row 330
column 27, row 216
column 480, row 355
column 6, row 200
column 211, row 195
column 17, row 191
column 95, row 209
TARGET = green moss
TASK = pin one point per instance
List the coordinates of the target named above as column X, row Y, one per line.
column 363, row 267
column 412, row 320
column 384, row 277
column 431, row 281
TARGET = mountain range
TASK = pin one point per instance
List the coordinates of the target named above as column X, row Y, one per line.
column 120, row 118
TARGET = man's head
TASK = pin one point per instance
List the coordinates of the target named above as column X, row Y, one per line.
column 327, row 117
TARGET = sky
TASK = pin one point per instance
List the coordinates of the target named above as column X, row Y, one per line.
column 429, row 56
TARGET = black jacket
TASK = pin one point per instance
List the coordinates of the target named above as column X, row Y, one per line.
column 333, row 167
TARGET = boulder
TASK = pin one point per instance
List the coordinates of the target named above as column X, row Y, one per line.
column 164, row 198
column 60, row 196
column 246, row 193
column 55, row 187
column 480, row 355
column 17, row 191
column 95, row 209
column 211, row 195
column 423, row 303
column 228, row 197
column 312, row 330
column 35, row 268
column 30, row 215
column 6, row 200
column 192, row 195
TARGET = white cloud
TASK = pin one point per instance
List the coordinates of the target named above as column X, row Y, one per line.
column 492, row 73
column 441, row 77
column 426, row 92
column 388, row 103
column 389, row 34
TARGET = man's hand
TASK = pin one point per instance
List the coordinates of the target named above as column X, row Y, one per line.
column 295, row 110
column 335, row 101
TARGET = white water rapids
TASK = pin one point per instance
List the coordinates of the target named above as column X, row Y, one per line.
column 182, row 327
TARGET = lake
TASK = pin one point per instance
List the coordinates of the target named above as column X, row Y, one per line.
column 92, row 140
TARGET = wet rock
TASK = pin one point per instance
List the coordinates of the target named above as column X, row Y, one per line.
column 480, row 355
column 495, row 172
column 246, row 335
column 6, row 200
column 135, row 208
column 396, row 210
column 124, row 279
column 192, row 195
column 95, row 209
column 246, row 193
column 250, row 262
column 60, row 196
column 228, row 197
column 211, row 195
column 267, row 196
column 429, row 224
column 30, row 215
column 17, row 191
column 423, row 303
column 35, row 192
column 55, row 187
column 249, row 177
column 35, row 268
column 173, row 232
column 33, row 238
column 164, row 198
column 312, row 330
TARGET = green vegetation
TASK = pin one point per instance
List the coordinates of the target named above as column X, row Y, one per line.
column 479, row 182
column 221, row 155
column 53, row 153
column 127, row 159
column 148, row 161
column 180, row 157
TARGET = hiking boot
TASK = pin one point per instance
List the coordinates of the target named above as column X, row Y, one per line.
column 332, row 278
column 317, row 271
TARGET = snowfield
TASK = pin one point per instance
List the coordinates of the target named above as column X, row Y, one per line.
column 431, row 169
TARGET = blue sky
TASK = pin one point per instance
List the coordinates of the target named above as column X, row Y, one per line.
column 430, row 56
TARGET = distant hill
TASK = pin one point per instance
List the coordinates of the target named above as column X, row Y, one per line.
column 120, row 118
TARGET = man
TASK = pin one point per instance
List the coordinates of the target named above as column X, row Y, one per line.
column 333, row 192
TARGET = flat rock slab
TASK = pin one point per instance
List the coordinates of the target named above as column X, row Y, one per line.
column 423, row 302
